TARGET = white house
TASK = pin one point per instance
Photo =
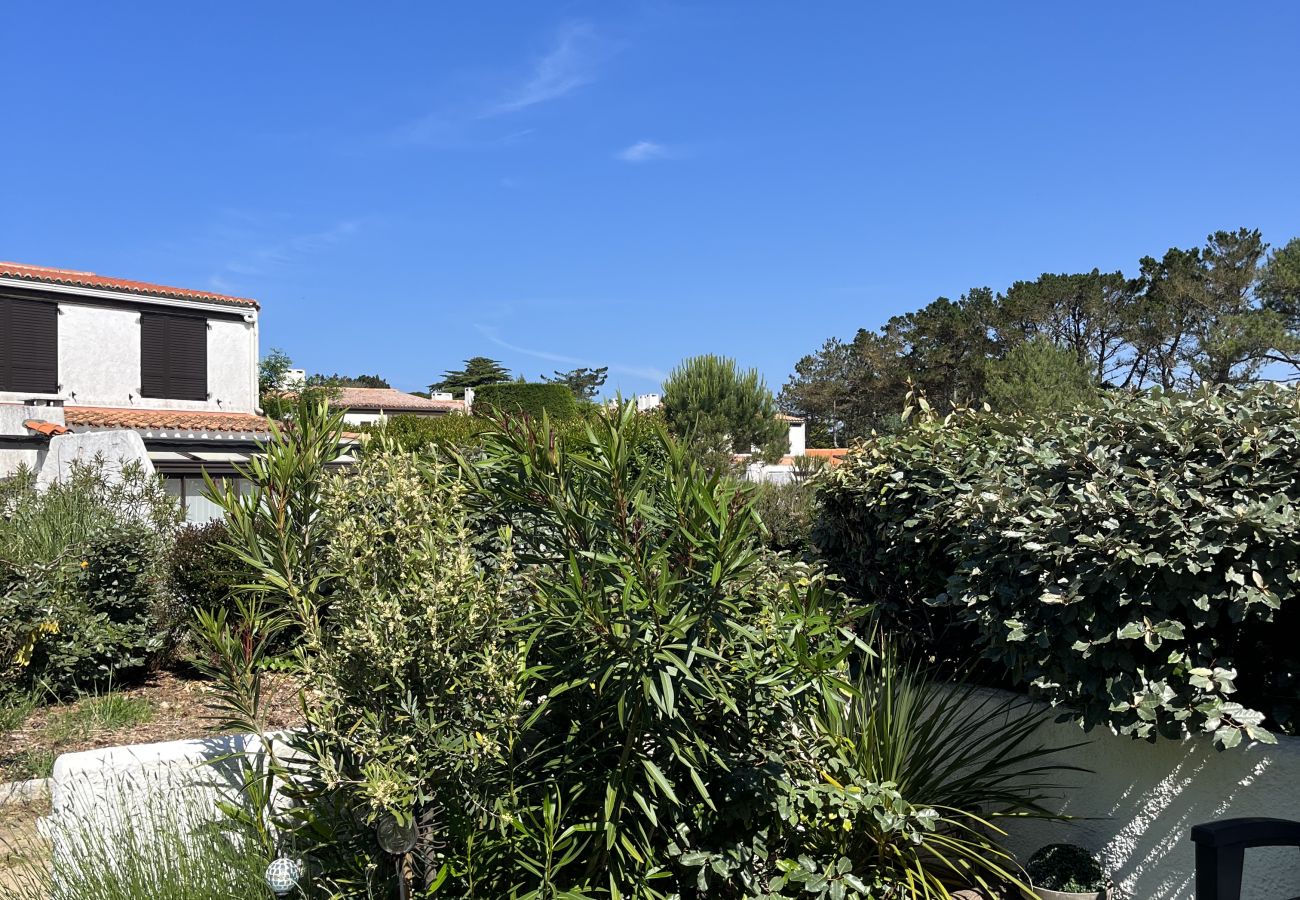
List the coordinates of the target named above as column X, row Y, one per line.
column 365, row 406
column 91, row 365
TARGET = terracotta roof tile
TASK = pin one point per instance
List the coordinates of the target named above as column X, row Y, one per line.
column 163, row 419
column 390, row 399
column 49, row 429
column 47, row 275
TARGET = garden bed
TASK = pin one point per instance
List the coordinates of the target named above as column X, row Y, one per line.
column 167, row 707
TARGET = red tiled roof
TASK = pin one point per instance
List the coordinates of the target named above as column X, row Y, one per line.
column 390, row 399
column 163, row 419
column 47, row 275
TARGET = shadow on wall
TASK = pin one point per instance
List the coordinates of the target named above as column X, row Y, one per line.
column 1137, row 809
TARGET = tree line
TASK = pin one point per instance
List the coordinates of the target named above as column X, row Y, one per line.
column 1224, row 313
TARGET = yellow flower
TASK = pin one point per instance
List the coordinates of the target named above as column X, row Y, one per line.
column 85, row 564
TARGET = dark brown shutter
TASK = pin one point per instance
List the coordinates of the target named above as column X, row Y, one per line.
column 29, row 346
column 188, row 362
column 153, row 355
column 173, row 357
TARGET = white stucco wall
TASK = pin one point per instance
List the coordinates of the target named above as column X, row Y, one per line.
column 363, row 418
column 1137, row 808
column 12, row 417
column 232, row 365
column 99, row 361
column 798, row 439
column 11, row 461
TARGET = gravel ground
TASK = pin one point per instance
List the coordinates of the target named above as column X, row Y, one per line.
column 21, row 846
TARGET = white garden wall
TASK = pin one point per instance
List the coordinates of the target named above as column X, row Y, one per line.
column 1138, row 807
column 115, row 450
column 137, row 783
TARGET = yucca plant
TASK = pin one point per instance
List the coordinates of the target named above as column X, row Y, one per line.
column 952, row 758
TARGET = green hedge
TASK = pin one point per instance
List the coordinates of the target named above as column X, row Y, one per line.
column 454, row 431
column 1132, row 561
column 461, row 433
column 556, row 400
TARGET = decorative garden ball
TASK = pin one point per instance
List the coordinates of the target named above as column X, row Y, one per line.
column 395, row 836
column 282, row 875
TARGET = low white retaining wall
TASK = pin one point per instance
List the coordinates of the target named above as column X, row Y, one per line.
column 1137, row 809
column 138, row 783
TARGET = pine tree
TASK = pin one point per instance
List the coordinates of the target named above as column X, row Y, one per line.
column 478, row 371
column 711, row 402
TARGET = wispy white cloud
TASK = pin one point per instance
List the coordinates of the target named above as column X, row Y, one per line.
column 645, row 151
column 277, row 253
column 569, row 64
column 646, row 372
column 573, row 59
column 261, row 260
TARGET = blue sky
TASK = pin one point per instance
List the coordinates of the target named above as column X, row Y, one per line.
column 626, row 184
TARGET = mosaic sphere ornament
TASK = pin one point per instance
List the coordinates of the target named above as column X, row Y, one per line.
column 282, row 875
column 395, row 836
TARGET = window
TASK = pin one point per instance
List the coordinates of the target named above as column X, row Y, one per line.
column 29, row 346
column 190, row 491
column 173, row 357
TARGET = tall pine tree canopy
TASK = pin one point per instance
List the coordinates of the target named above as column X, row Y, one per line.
column 584, row 382
column 478, row 371
column 1224, row 313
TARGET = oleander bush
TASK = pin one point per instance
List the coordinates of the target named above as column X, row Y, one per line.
column 567, row 667
column 1131, row 561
